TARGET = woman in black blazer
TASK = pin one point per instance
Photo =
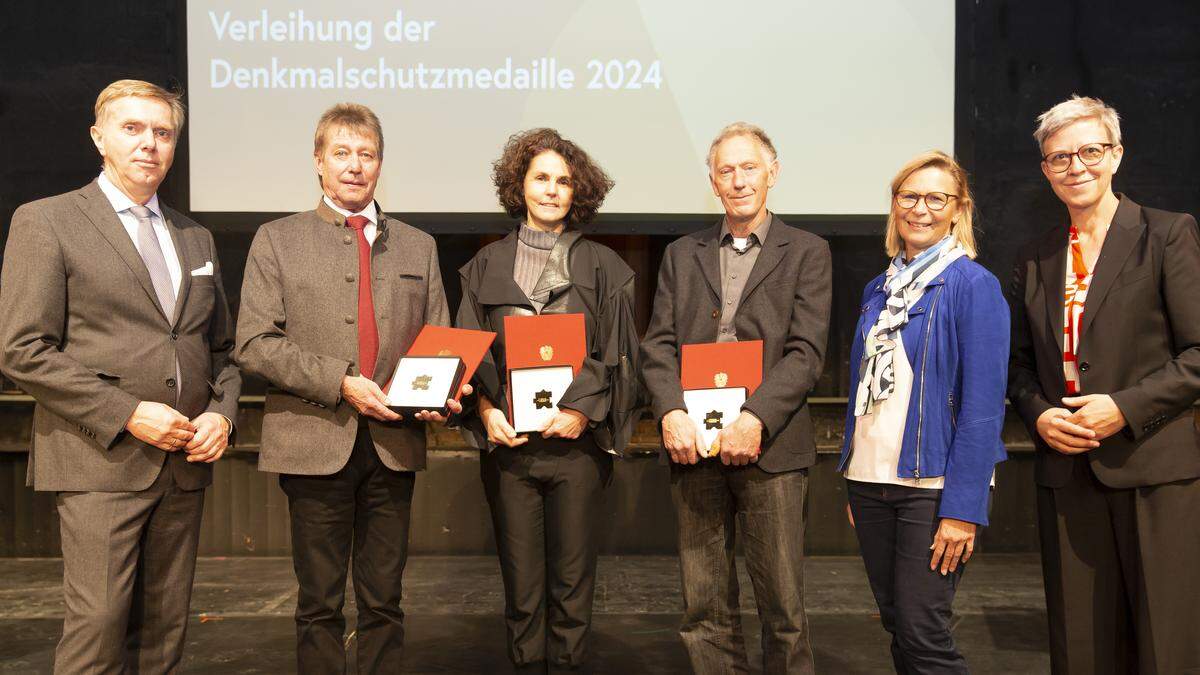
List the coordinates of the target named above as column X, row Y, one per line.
column 546, row 490
column 1105, row 372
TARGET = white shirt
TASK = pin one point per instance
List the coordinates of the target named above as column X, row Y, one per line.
column 372, row 215
column 121, row 203
column 878, row 435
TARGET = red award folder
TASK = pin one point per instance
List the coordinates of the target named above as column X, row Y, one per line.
column 537, row 350
column 469, row 345
column 545, row 340
column 717, row 365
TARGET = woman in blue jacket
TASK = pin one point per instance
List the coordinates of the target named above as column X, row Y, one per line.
column 926, row 408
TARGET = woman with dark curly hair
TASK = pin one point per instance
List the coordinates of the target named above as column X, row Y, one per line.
column 546, row 490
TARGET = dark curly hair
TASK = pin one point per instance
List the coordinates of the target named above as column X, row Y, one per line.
column 590, row 183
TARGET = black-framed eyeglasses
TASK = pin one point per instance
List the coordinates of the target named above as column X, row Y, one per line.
column 1089, row 154
column 934, row 201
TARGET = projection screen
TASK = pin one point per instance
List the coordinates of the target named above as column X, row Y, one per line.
column 848, row 91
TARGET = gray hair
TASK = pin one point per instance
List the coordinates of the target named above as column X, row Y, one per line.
column 1074, row 109
column 741, row 129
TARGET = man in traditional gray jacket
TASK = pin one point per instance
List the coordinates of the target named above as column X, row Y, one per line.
column 750, row 277
column 331, row 300
column 113, row 317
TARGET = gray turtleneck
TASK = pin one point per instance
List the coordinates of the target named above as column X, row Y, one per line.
column 533, row 250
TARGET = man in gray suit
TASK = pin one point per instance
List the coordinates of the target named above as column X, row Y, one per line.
column 750, row 277
column 113, row 317
column 331, row 300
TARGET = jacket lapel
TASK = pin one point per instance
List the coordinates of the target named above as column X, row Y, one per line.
column 1052, row 264
column 99, row 210
column 708, row 255
column 498, row 286
column 768, row 259
column 556, row 275
column 1123, row 233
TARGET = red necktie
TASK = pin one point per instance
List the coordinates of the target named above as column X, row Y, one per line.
column 368, row 335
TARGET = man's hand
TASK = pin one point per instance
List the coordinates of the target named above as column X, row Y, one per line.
column 681, row 438
column 1056, row 428
column 499, row 431
column 1097, row 412
column 367, row 398
column 566, row 423
column 741, row 441
column 953, row 543
column 160, row 425
column 454, row 406
column 211, row 439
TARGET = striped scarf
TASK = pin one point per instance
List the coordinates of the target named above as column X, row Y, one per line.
column 906, row 283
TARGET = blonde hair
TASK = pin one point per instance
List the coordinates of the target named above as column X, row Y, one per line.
column 741, row 129
column 1074, row 109
column 124, row 88
column 963, row 231
column 353, row 116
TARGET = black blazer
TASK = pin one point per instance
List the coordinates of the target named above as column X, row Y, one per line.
column 581, row 276
column 1139, row 343
column 785, row 304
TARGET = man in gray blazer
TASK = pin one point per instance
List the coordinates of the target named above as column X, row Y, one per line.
column 331, row 300
column 751, row 277
column 113, row 317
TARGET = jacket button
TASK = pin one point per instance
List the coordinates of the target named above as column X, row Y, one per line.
column 715, row 314
column 1084, row 366
column 349, row 319
column 171, row 382
column 349, row 277
column 174, row 336
column 347, row 239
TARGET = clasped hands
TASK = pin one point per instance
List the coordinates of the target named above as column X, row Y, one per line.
column 204, row 438
column 738, row 444
column 565, row 423
column 368, row 399
column 1095, row 418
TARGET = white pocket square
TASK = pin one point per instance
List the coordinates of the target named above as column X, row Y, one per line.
column 205, row 271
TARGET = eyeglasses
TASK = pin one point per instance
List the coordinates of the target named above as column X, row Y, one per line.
column 1089, row 154
column 934, row 201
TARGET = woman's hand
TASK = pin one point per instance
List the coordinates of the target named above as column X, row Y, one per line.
column 499, row 431
column 850, row 515
column 953, row 543
column 566, row 423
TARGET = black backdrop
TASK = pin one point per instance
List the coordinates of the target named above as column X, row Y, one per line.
column 1014, row 59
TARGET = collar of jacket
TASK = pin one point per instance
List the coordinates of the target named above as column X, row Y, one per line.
column 499, row 287
column 709, row 256
column 1123, row 234
column 334, row 218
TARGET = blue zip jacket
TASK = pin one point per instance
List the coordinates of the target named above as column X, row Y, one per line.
column 956, row 339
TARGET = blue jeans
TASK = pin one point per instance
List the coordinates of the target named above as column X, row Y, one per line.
column 895, row 525
column 713, row 501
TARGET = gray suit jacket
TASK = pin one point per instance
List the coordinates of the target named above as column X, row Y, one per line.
column 785, row 304
column 298, row 328
column 84, row 334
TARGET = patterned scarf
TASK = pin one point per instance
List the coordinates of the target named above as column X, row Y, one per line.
column 906, row 283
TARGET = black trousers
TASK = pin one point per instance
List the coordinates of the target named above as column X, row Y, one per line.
column 895, row 525
column 547, row 502
column 360, row 514
column 1122, row 583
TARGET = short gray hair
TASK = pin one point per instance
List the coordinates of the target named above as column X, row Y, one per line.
column 741, row 129
column 1074, row 109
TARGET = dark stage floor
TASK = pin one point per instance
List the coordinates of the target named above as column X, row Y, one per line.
column 242, row 616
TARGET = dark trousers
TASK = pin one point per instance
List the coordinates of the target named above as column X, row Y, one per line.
column 360, row 514
column 895, row 525
column 547, row 501
column 1122, row 582
column 128, row 563
column 713, row 501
